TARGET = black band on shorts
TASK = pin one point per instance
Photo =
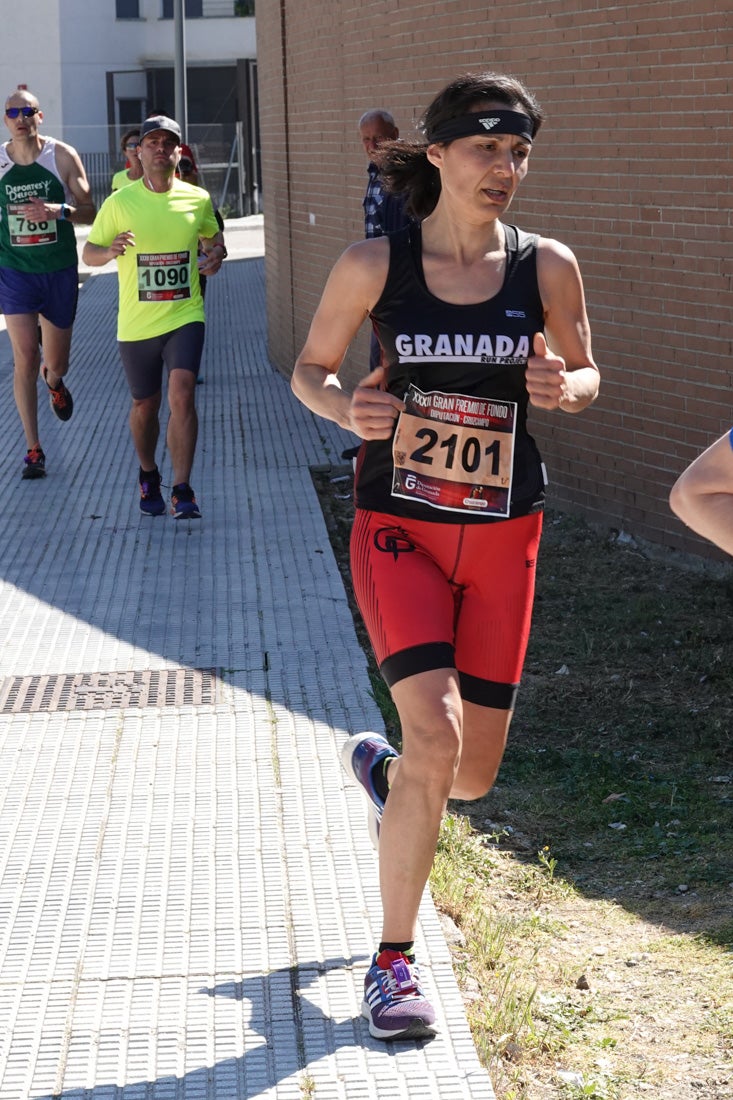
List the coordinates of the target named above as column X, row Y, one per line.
column 418, row 658
column 434, row 655
column 488, row 693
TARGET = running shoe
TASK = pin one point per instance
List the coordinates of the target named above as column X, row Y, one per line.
column 34, row 464
column 183, row 502
column 359, row 755
column 394, row 1003
column 151, row 498
column 62, row 402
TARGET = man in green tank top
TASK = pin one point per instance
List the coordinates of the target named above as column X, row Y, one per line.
column 43, row 190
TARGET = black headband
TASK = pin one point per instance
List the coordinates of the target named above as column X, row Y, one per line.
column 484, row 122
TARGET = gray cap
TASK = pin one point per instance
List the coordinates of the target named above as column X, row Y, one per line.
column 160, row 122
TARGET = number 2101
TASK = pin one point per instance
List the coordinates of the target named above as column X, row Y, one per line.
column 470, row 455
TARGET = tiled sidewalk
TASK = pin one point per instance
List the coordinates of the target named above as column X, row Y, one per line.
column 188, row 895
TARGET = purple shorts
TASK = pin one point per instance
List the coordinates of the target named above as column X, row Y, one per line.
column 52, row 294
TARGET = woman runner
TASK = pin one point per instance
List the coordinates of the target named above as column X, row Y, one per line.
column 475, row 319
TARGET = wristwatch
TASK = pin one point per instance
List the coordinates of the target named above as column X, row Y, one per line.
column 64, row 212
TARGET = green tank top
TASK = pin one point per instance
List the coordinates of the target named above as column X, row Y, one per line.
column 33, row 247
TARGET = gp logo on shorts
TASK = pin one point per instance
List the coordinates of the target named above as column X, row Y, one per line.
column 389, row 541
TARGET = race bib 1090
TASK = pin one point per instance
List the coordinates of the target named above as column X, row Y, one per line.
column 163, row 276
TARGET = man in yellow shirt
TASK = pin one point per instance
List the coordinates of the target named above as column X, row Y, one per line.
column 152, row 228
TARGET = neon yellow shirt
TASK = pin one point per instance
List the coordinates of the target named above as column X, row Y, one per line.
column 120, row 179
column 159, row 278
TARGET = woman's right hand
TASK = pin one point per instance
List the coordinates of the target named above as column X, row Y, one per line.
column 373, row 410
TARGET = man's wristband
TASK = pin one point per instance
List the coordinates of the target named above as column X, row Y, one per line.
column 65, row 213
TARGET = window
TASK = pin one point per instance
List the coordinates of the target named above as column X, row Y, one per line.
column 192, row 8
column 127, row 9
column 131, row 111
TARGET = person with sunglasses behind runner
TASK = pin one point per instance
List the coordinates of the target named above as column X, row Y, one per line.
column 43, row 190
column 133, row 169
column 477, row 320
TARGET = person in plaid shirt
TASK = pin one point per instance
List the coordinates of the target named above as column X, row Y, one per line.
column 383, row 213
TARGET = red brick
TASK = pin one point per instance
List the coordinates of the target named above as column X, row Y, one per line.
column 632, row 170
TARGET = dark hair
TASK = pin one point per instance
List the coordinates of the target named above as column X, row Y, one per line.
column 135, row 132
column 405, row 167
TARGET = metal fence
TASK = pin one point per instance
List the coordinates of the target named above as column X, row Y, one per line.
column 227, row 168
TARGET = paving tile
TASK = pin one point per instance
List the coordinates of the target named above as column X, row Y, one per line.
column 188, row 894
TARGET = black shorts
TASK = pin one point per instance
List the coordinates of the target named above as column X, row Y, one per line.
column 143, row 360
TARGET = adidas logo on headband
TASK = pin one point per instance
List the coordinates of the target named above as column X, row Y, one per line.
column 504, row 122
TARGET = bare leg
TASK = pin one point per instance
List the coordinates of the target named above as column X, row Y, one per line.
column 182, row 424
column 56, row 350
column 145, row 429
column 23, row 332
column 450, row 748
column 485, row 732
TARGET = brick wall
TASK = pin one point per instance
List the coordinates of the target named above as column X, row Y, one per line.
column 632, row 170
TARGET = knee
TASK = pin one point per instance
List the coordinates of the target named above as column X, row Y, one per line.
column 143, row 406
column 182, row 398
column 483, row 751
column 27, row 362
column 431, row 756
column 476, row 784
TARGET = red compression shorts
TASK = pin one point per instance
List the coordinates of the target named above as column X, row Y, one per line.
column 444, row 595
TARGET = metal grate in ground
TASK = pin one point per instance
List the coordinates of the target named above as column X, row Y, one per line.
column 109, row 690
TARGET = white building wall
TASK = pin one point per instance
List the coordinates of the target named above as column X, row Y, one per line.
column 65, row 62
column 29, row 51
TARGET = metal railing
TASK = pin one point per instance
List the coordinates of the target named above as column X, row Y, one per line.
column 226, row 169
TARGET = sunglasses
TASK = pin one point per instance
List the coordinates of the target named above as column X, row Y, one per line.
column 132, row 144
column 26, row 112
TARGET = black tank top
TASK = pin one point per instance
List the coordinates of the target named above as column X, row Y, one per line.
column 477, row 351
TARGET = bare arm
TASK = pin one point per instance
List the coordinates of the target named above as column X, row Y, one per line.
column 97, row 255
column 74, row 179
column 76, row 183
column 561, row 374
column 702, row 496
column 353, row 287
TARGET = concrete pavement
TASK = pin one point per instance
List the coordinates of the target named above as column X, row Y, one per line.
column 188, row 894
